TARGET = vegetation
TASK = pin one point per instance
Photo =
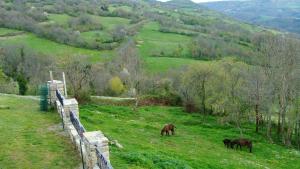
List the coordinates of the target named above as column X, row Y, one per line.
column 228, row 73
column 197, row 142
column 32, row 139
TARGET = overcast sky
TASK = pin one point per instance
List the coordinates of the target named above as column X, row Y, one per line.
column 199, row 1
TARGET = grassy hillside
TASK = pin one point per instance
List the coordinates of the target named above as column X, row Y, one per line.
column 163, row 41
column 32, row 139
column 47, row 47
column 197, row 143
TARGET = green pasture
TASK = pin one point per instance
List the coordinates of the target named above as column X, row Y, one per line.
column 196, row 144
column 32, row 139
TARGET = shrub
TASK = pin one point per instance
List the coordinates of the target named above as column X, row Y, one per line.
column 116, row 85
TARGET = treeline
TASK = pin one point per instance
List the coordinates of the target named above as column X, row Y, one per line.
column 238, row 92
column 24, row 67
column 268, row 90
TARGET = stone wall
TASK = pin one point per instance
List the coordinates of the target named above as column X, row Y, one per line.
column 88, row 142
column 53, row 86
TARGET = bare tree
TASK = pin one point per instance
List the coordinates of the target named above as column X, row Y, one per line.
column 129, row 61
column 198, row 76
column 255, row 86
column 280, row 62
column 78, row 73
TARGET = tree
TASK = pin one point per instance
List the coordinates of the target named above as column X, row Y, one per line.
column 119, row 33
column 129, row 60
column 26, row 67
column 229, row 92
column 280, row 60
column 198, row 76
column 255, row 84
column 78, row 73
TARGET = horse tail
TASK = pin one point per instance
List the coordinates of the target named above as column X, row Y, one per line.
column 250, row 146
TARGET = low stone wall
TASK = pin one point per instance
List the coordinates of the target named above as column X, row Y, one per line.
column 87, row 142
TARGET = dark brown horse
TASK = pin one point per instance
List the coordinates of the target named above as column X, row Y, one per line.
column 240, row 143
column 167, row 128
column 227, row 142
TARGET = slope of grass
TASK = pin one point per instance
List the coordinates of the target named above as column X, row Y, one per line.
column 4, row 31
column 61, row 19
column 111, row 22
column 151, row 41
column 59, row 51
column 196, row 144
column 162, row 64
column 93, row 35
column 119, row 7
column 32, row 139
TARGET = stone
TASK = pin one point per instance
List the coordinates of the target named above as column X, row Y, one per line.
column 93, row 140
column 52, row 87
column 116, row 143
column 70, row 105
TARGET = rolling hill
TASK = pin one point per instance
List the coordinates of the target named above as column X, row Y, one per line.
column 279, row 14
column 162, row 31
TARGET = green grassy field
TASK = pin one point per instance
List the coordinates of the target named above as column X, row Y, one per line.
column 122, row 7
column 151, row 41
column 32, row 139
column 59, row 51
column 93, row 35
column 110, row 22
column 197, row 143
column 4, row 31
column 61, row 19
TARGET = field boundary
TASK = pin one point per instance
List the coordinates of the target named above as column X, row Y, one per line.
column 92, row 146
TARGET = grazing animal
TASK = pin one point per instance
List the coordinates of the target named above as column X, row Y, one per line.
column 227, row 142
column 242, row 142
column 167, row 128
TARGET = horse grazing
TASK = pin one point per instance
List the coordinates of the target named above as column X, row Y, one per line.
column 167, row 128
column 242, row 142
column 227, row 142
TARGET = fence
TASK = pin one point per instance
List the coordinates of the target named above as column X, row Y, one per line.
column 60, row 97
column 76, row 123
column 101, row 162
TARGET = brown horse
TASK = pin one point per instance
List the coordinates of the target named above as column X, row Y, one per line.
column 227, row 142
column 242, row 142
column 167, row 128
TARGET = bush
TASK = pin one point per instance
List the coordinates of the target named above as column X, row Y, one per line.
column 7, row 85
column 116, row 85
column 84, row 23
column 169, row 99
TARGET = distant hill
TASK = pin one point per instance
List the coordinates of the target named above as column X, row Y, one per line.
column 280, row 14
